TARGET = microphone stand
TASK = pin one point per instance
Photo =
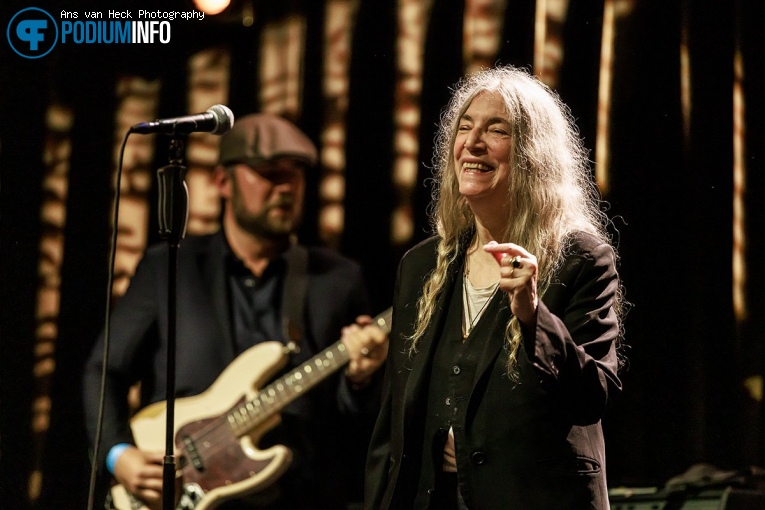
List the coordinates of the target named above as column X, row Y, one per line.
column 173, row 215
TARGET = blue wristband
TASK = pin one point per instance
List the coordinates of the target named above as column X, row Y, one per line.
column 114, row 454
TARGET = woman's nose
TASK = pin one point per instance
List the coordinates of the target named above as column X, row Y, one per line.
column 474, row 140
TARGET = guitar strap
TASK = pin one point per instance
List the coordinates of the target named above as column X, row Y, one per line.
column 293, row 296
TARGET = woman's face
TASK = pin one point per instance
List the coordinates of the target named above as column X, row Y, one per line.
column 482, row 151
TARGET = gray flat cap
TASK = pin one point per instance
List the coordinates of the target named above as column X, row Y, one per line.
column 258, row 138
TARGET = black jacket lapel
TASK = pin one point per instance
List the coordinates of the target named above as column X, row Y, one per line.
column 491, row 331
column 212, row 267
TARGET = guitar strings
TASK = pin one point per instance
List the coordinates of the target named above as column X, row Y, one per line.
column 213, row 436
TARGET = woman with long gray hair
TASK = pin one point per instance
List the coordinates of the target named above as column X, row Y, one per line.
column 507, row 322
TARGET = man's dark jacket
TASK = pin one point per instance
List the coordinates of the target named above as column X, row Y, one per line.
column 316, row 426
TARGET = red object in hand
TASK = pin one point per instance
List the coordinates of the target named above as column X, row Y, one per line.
column 497, row 255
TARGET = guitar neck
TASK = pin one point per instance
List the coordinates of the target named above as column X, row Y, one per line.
column 272, row 398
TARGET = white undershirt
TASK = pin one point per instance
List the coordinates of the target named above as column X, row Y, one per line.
column 474, row 302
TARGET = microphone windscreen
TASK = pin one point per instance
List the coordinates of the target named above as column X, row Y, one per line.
column 224, row 118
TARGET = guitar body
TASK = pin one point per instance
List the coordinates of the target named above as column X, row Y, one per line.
column 217, row 432
column 217, row 459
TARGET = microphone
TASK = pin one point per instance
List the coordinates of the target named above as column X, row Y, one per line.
column 217, row 120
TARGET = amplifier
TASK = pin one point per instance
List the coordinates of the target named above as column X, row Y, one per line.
column 652, row 498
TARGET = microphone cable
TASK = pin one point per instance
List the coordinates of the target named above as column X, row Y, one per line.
column 107, row 325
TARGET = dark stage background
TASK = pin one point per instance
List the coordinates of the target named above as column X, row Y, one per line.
column 671, row 197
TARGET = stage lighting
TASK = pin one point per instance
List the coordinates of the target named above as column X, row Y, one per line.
column 212, row 7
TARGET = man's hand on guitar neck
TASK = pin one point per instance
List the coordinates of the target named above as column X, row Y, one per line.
column 141, row 474
column 367, row 346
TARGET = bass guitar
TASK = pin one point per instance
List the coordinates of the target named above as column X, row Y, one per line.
column 217, row 432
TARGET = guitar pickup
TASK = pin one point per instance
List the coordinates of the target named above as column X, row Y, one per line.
column 193, row 453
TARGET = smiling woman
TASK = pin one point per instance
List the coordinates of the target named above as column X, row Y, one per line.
column 520, row 316
column 482, row 151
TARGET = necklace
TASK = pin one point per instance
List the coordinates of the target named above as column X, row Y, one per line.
column 474, row 299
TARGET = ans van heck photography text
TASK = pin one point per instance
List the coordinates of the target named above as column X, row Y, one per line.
column 121, row 26
column 128, row 14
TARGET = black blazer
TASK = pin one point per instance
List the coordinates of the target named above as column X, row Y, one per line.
column 335, row 296
column 535, row 444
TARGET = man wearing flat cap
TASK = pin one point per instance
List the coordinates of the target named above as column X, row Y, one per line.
column 248, row 284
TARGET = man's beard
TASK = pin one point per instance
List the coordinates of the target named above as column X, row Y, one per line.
column 260, row 224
